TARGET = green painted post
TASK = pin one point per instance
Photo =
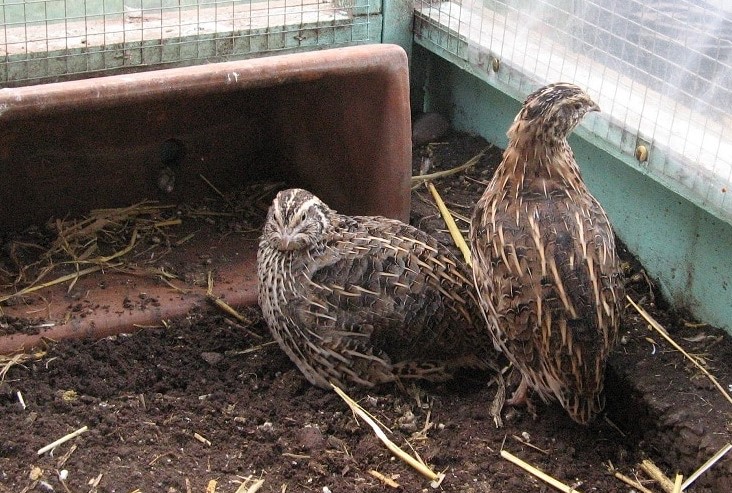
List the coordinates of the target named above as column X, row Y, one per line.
column 397, row 15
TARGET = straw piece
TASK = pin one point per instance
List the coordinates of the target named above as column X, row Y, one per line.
column 419, row 466
column 213, row 187
column 221, row 303
column 531, row 445
column 17, row 359
column 201, row 439
column 94, row 483
column 454, row 231
column 677, row 483
column 252, row 349
column 707, row 465
column 226, row 308
column 21, row 400
column 440, row 174
column 61, row 279
column 61, row 440
column 295, row 456
column 124, row 251
column 654, row 472
column 538, row 473
column 169, row 222
column 245, row 487
column 659, row 328
column 631, row 482
column 387, row 481
column 62, row 460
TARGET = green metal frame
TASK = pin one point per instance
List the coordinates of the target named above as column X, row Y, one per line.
column 360, row 23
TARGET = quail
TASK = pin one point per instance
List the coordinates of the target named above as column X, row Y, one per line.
column 365, row 300
column 544, row 259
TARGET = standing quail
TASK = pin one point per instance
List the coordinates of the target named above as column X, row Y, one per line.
column 365, row 299
column 544, row 259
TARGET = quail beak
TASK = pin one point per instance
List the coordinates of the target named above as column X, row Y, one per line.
column 595, row 107
column 287, row 243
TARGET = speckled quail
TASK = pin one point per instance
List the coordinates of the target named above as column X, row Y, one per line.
column 365, row 299
column 544, row 258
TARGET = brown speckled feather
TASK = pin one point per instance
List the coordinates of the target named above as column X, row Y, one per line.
column 544, row 257
column 365, row 300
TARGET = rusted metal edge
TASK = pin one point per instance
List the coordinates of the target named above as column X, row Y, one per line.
column 388, row 60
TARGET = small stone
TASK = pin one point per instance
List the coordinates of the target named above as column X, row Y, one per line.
column 44, row 486
column 336, row 443
column 310, row 438
column 212, row 358
column 266, row 427
column 5, row 390
column 166, row 180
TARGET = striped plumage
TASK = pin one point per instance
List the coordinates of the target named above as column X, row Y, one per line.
column 544, row 258
column 365, row 299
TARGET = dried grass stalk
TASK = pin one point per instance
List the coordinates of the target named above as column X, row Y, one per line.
column 213, row 187
column 530, row 445
column 202, row 439
column 657, row 475
column 538, row 473
column 707, row 465
column 457, row 236
column 62, row 279
column 659, row 328
column 245, row 487
column 631, row 482
column 78, row 242
column 421, row 467
column 386, row 480
column 61, row 440
column 677, row 483
column 441, row 174
column 9, row 362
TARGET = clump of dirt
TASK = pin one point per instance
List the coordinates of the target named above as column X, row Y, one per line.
column 209, row 403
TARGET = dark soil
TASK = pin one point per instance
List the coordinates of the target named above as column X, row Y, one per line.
column 208, row 403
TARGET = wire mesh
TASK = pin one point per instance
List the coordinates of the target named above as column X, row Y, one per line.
column 43, row 40
column 661, row 71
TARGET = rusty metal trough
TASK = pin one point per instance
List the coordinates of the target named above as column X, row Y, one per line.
column 335, row 121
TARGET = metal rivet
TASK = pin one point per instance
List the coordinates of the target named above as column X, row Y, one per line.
column 641, row 153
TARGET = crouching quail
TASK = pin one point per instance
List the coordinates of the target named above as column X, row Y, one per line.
column 544, row 259
column 365, row 299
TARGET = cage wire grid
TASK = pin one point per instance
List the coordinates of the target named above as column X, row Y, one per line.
column 661, row 70
column 47, row 40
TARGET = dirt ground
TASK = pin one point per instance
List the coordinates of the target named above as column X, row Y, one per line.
column 206, row 403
